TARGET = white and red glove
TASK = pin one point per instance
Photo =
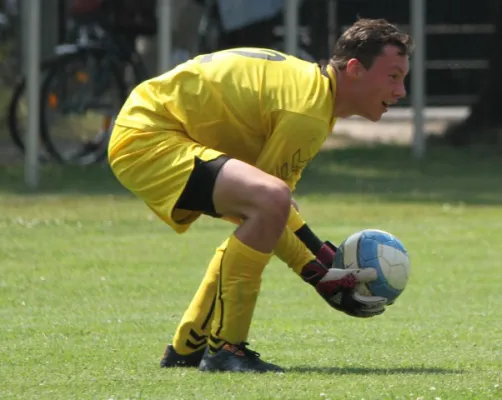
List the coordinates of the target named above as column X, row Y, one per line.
column 337, row 286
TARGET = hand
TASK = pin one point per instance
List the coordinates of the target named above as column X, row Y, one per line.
column 337, row 286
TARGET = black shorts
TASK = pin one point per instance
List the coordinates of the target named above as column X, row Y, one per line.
column 198, row 192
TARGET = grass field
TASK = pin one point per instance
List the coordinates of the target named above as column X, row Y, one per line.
column 92, row 287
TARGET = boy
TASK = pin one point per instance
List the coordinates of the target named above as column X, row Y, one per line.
column 228, row 134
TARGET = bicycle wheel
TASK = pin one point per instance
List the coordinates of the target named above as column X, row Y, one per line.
column 18, row 109
column 79, row 98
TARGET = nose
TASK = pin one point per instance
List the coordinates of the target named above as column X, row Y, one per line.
column 400, row 91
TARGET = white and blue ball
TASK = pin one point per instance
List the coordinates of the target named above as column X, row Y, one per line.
column 373, row 248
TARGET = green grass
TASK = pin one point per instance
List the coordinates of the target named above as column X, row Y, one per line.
column 92, row 287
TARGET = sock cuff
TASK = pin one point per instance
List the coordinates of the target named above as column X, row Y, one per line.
column 247, row 251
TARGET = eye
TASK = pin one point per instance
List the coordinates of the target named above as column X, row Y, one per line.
column 394, row 76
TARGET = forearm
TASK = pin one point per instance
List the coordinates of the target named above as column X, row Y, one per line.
column 298, row 225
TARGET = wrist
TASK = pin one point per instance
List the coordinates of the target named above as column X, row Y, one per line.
column 326, row 254
column 309, row 239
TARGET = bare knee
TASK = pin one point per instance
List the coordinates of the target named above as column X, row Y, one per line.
column 272, row 202
column 267, row 216
column 261, row 200
column 244, row 191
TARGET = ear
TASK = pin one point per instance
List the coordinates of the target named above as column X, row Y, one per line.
column 354, row 68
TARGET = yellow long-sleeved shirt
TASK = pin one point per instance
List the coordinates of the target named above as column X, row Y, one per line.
column 263, row 107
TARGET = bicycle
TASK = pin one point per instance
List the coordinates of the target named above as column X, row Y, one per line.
column 85, row 83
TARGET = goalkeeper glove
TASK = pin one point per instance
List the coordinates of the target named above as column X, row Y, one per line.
column 337, row 286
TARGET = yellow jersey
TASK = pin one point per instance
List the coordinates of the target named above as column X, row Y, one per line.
column 266, row 108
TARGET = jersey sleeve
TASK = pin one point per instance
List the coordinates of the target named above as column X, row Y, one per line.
column 293, row 143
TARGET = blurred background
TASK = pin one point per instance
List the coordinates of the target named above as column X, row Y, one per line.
column 94, row 51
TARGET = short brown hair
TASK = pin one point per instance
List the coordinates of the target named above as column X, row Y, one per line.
column 365, row 40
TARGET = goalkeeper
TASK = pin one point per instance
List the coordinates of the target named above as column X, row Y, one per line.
column 227, row 135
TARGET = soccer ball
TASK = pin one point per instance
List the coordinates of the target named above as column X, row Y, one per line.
column 373, row 248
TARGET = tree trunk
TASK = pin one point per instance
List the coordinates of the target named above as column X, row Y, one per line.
column 484, row 123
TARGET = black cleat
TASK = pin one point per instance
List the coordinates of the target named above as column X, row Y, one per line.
column 236, row 358
column 172, row 359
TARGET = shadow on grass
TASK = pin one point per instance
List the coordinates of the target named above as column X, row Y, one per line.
column 374, row 371
column 387, row 173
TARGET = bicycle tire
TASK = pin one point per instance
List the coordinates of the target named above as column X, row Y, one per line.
column 97, row 152
column 15, row 104
column 12, row 121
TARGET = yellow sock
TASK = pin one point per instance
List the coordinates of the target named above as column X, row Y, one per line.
column 195, row 325
column 295, row 220
column 292, row 251
column 241, row 269
column 289, row 248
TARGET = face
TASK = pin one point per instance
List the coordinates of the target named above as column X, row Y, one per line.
column 380, row 86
